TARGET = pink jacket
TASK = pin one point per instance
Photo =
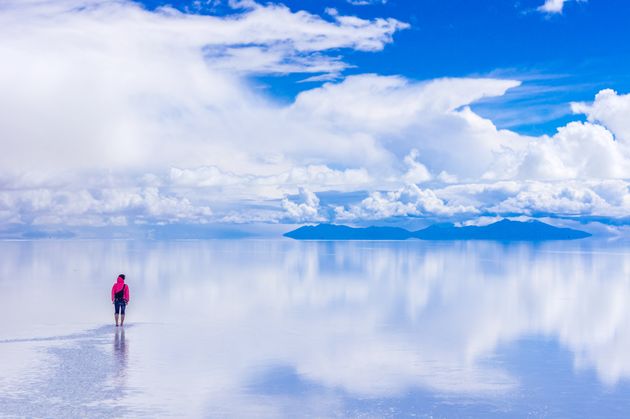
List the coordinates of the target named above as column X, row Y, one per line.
column 120, row 283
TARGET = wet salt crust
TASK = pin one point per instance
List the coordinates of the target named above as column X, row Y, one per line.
column 280, row 328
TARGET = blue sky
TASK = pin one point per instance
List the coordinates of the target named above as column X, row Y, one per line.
column 562, row 57
column 127, row 115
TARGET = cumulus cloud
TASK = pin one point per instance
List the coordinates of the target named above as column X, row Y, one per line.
column 552, row 6
column 572, row 199
column 387, row 104
column 434, row 119
column 317, row 177
column 417, row 172
column 112, row 85
column 102, row 95
column 609, row 198
column 400, row 115
column 578, row 151
column 407, row 201
column 611, row 110
column 307, row 210
column 99, row 208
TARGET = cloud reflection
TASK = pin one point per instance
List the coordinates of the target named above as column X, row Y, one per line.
column 234, row 320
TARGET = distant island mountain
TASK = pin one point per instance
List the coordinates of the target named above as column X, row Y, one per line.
column 504, row 230
column 340, row 232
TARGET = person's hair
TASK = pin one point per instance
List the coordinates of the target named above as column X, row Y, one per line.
column 121, row 276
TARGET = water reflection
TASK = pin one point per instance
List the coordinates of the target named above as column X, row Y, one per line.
column 120, row 352
column 266, row 327
column 72, row 378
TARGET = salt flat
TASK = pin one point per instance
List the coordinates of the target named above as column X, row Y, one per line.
column 278, row 328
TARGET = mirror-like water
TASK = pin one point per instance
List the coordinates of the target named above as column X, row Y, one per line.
column 283, row 329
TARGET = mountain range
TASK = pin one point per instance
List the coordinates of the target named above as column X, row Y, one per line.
column 504, row 230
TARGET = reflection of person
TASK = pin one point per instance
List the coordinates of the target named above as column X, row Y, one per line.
column 120, row 298
column 119, row 375
column 120, row 350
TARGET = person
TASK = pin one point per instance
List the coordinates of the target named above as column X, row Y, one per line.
column 120, row 298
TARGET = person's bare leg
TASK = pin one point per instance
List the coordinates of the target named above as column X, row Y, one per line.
column 116, row 317
column 122, row 319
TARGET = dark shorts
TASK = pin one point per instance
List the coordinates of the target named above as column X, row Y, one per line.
column 119, row 306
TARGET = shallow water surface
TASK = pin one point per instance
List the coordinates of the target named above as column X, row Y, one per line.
column 281, row 328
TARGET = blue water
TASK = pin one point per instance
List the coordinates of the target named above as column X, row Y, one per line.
column 279, row 328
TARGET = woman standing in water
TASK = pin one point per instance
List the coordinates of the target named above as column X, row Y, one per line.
column 120, row 298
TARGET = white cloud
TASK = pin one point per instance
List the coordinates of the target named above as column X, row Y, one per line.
column 400, row 115
column 366, row 2
column 598, row 149
column 561, row 199
column 606, row 198
column 203, row 177
column 578, row 151
column 611, row 110
column 552, row 6
column 407, row 201
column 434, row 118
column 417, row 172
column 113, row 97
column 307, row 210
column 387, row 104
column 103, row 207
column 250, row 186
column 166, row 204
column 555, row 6
column 114, row 86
